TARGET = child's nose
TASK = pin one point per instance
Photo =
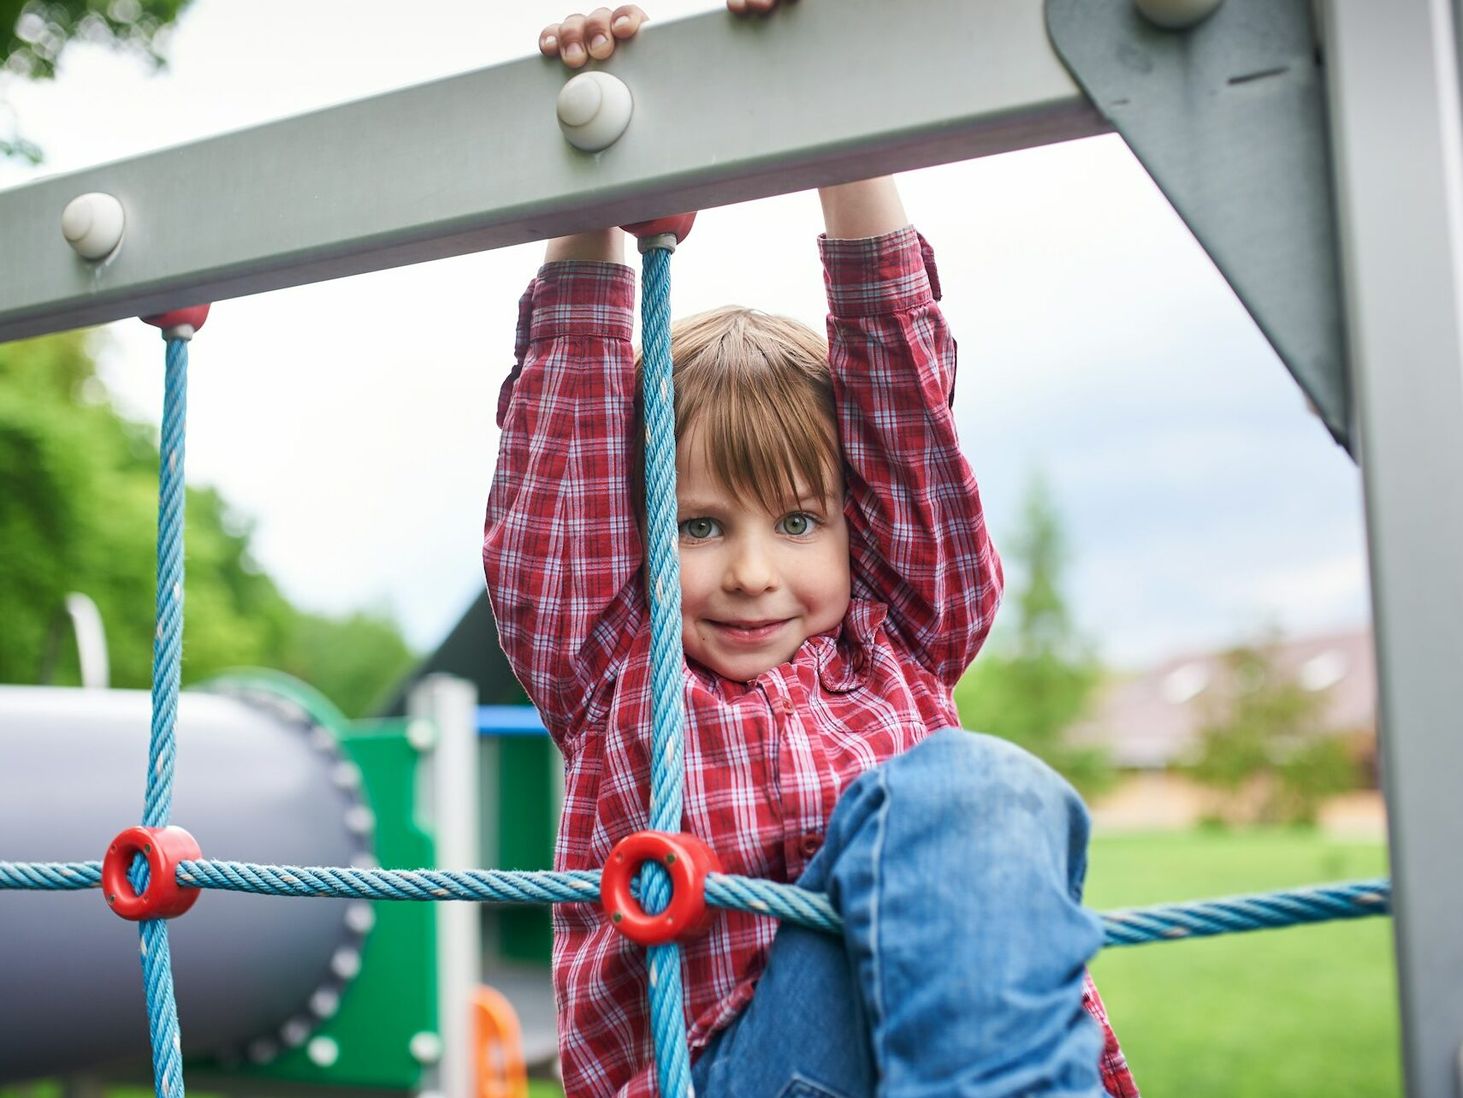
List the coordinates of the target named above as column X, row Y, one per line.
column 750, row 569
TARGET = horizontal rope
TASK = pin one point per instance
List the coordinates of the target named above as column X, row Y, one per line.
column 50, row 876
column 787, row 902
column 1264, row 911
column 1132, row 926
column 482, row 885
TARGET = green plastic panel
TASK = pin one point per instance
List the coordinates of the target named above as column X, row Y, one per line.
column 395, row 995
column 526, row 825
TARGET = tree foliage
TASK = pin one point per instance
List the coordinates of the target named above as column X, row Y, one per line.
column 34, row 33
column 78, row 506
column 1036, row 681
column 1264, row 747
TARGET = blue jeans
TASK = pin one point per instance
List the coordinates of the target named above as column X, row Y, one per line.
column 957, row 868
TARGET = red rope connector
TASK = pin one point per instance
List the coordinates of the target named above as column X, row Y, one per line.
column 662, row 232
column 686, row 858
column 179, row 323
column 164, row 848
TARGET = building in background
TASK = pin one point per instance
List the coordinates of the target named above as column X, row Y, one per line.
column 1150, row 725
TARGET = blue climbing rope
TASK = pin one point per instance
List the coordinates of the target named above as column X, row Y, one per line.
column 167, row 664
column 667, row 1021
column 1125, row 927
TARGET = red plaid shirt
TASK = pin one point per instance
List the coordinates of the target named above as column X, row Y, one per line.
column 765, row 760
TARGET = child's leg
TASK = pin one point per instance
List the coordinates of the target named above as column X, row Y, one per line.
column 804, row 1035
column 958, row 870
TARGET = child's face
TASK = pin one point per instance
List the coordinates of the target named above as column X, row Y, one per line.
column 754, row 585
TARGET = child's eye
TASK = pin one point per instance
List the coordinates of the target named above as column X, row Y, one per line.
column 699, row 529
column 796, row 525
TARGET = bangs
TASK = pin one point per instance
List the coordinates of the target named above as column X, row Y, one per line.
column 757, row 389
column 764, row 439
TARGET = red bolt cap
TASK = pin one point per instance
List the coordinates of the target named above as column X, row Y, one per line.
column 686, row 858
column 191, row 318
column 678, row 226
column 164, row 848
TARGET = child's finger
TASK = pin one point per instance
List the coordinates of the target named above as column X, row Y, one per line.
column 627, row 20
column 548, row 40
column 571, row 42
column 597, row 35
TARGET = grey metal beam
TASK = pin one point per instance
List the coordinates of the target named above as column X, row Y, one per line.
column 1396, row 140
column 726, row 111
column 1229, row 117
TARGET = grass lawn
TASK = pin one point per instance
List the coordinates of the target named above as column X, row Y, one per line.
column 1296, row 1012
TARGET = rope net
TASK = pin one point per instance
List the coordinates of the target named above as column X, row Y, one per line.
column 652, row 888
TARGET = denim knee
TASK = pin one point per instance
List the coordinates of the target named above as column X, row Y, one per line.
column 964, row 782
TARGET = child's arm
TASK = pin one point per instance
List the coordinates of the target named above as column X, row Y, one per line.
column 870, row 207
column 604, row 246
column 917, row 532
column 561, row 547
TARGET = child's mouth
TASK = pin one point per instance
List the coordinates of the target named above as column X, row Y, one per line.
column 748, row 632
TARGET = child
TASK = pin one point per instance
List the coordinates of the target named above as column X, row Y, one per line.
column 836, row 581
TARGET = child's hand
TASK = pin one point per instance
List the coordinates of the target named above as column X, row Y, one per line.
column 581, row 37
column 578, row 38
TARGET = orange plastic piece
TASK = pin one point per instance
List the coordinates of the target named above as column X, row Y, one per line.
column 497, row 1046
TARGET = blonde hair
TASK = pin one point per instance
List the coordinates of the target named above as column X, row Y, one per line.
column 758, row 388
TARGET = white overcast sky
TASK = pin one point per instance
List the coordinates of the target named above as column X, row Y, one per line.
column 352, row 421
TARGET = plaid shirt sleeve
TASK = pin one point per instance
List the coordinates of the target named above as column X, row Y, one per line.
column 917, row 533
column 561, row 547
column 1117, row 1078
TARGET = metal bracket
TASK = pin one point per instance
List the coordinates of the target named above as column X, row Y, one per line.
column 1229, row 118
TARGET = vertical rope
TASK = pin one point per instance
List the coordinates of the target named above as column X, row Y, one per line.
column 667, row 1016
column 167, row 644
column 167, row 669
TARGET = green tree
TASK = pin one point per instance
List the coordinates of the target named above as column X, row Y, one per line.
column 1264, row 747
column 78, row 507
column 34, row 33
column 356, row 661
column 1037, row 677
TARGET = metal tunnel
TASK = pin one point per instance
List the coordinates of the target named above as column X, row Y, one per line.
column 258, row 780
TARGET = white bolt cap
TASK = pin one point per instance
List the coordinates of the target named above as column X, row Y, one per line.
column 345, row 963
column 1176, row 14
column 323, row 1052
column 360, row 917
column 325, row 1002
column 425, row 1047
column 92, row 224
column 594, row 109
column 421, row 734
column 360, row 820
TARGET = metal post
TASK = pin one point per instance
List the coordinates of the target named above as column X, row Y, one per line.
column 451, row 706
column 1393, row 83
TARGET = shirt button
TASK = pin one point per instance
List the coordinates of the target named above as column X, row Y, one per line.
column 811, row 843
column 788, row 707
